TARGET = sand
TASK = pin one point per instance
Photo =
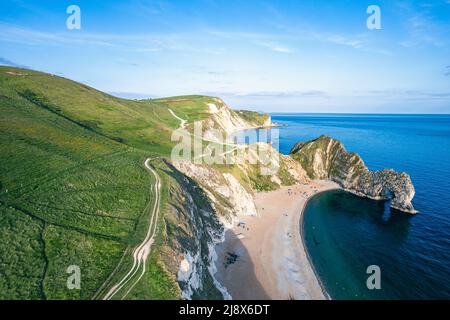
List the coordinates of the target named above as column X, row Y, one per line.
column 264, row 257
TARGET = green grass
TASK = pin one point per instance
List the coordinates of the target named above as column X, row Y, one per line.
column 190, row 108
column 74, row 191
column 94, row 255
column 72, row 184
column 144, row 124
column 157, row 283
column 23, row 262
column 253, row 117
column 81, row 191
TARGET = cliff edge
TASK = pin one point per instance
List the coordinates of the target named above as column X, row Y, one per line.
column 326, row 158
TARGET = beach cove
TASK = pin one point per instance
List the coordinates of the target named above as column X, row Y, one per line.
column 264, row 257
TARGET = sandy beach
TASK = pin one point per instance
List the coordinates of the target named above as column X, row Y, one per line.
column 264, row 257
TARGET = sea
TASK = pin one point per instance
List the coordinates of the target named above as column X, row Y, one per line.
column 361, row 248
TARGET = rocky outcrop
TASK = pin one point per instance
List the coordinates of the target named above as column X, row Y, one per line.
column 227, row 200
column 230, row 121
column 267, row 122
column 225, row 119
column 192, row 229
column 326, row 158
column 229, row 190
column 226, row 194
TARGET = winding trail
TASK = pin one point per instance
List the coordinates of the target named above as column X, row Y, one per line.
column 141, row 252
column 182, row 121
column 235, row 146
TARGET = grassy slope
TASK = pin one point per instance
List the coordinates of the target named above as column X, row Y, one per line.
column 253, row 117
column 72, row 185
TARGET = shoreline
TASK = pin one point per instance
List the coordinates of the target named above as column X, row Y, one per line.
column 302, row 235
column 272, row 125
column 264, row 257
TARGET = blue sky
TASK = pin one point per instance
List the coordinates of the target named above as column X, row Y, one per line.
column 280, row 56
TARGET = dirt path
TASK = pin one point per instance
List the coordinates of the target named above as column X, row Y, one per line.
column 182, row 121
column 141, row 252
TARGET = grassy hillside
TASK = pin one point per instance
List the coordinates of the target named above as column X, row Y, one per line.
column 253, row 117
column 144, row 124
column 73, row 190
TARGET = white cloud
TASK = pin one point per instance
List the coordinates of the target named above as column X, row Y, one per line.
column 276, row 47
column 422, row 27
column 146, row 42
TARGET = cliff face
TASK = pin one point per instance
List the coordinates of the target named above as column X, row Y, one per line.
column 230, row 190
column 226, row 194
column 326, row 158
column 191, row 229
column 229, row 121
column 92, row 144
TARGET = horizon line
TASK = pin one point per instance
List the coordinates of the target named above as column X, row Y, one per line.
column 116, row 94
column 357, row 113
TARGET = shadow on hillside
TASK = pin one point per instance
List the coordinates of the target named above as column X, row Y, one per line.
column 236, row 271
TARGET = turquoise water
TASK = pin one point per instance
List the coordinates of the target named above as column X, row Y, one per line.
column 345, row 234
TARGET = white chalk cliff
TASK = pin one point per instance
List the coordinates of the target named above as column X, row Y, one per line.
column 230, row 189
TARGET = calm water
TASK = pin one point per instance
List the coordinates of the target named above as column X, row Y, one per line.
column 345, row 234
